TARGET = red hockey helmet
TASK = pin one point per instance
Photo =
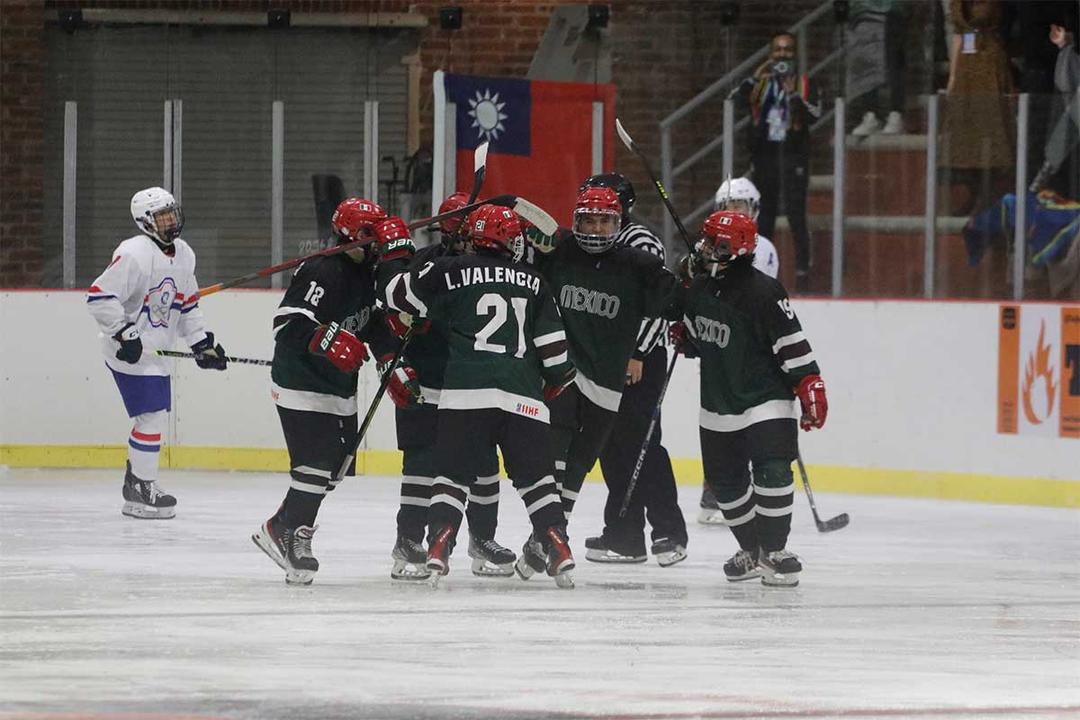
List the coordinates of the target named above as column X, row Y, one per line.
column 597, row 219
column 496, row 229
column 450, row 225
column 354, row 218
column 727, row 235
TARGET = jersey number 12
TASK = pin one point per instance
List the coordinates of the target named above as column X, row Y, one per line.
column 490, row 303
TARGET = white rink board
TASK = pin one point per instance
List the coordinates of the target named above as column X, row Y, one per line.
column 912, row 386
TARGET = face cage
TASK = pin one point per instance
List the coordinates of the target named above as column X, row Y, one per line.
column 596, row 244
column 156, row 224
column 514, row 247
column 751, row 208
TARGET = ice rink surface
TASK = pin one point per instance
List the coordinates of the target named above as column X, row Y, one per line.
column 919, row 608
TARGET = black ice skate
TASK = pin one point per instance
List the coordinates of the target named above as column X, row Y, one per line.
column 779, row 568
column 597, row 549
column 742, row 565
column 490, row 559
column 290, row 548
column 710, row 513
column 438, row 555
column 560, row 561
column 144, row 499
column 668, row 552
column 410, row 561
column 532, row 559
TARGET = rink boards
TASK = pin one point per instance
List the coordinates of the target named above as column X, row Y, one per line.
column 917, row 391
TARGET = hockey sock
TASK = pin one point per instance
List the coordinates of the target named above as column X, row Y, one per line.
column 415, row 500
column 300, row 508
column 483, row 509
column 737, row 506
column 144, row 444
column 573, row 479
column 542, row 502
column 307, row 488
column 447, row 503
column 774, row 494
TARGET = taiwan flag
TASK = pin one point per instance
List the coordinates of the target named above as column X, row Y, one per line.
column 544, row 137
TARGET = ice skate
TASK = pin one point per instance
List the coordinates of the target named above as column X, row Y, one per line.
column 532, row 559
column 742, row 565
column 710, row 513
column 410, row 561
column 438, row 555
column 779, row 568
column 597, row 550
column 560, row 561
column 145, row 500
column 668, row 552
column 290, row 548
column 490, row 559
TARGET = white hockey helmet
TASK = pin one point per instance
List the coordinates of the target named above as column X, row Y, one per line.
column 157, row 214
column 738, row 190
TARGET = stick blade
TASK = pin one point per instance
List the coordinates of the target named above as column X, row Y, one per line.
column 480, row 156
column 537, row 216
column 836, row 523
column 623, row 135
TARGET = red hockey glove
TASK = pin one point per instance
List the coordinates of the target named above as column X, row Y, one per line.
column 815, row 407
column 393, row 239
column 554, row 390
column 399, row 324
column 339, row 346
column 677, row 334
column 404, row 387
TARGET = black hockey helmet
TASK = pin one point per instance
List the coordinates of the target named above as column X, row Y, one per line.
column 619, row 184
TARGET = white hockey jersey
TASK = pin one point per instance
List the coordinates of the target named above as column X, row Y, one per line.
column 157, row 292
column 765, row 258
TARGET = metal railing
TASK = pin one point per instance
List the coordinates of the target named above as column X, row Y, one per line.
column 670, row 171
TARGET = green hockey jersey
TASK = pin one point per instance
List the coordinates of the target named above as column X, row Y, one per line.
column 752, row 347
column 603, row 299
column 503, row 330
column 324, row 290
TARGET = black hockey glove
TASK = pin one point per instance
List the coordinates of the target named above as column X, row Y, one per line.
column 130, row 345
column 209, row 356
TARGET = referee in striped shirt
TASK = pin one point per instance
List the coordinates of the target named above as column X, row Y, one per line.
column 655, row 496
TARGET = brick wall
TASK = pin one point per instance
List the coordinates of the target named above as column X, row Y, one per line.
column 22, row 56
column 664, row 53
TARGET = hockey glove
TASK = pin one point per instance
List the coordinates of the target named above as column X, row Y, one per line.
column 681, row 340
column 208, row 355
column 399, row 324
column 404, row 387
column 393, row 239
column 543, row 243
column 130, row 344
column 339, row 346
column 554, row 390
column 811, row 392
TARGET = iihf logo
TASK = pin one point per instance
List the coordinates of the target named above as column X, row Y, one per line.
column 159, row 302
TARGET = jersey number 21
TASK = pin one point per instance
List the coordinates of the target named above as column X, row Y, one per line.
column 495, row 305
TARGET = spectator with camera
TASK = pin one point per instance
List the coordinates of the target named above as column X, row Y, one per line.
column 783, row 104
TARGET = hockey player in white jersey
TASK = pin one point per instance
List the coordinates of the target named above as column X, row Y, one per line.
column 144, row 300
column 739, row 195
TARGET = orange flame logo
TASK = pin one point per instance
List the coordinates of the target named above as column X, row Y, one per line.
column 1038, row 368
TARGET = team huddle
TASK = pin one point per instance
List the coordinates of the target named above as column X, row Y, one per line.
column 546, row 348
